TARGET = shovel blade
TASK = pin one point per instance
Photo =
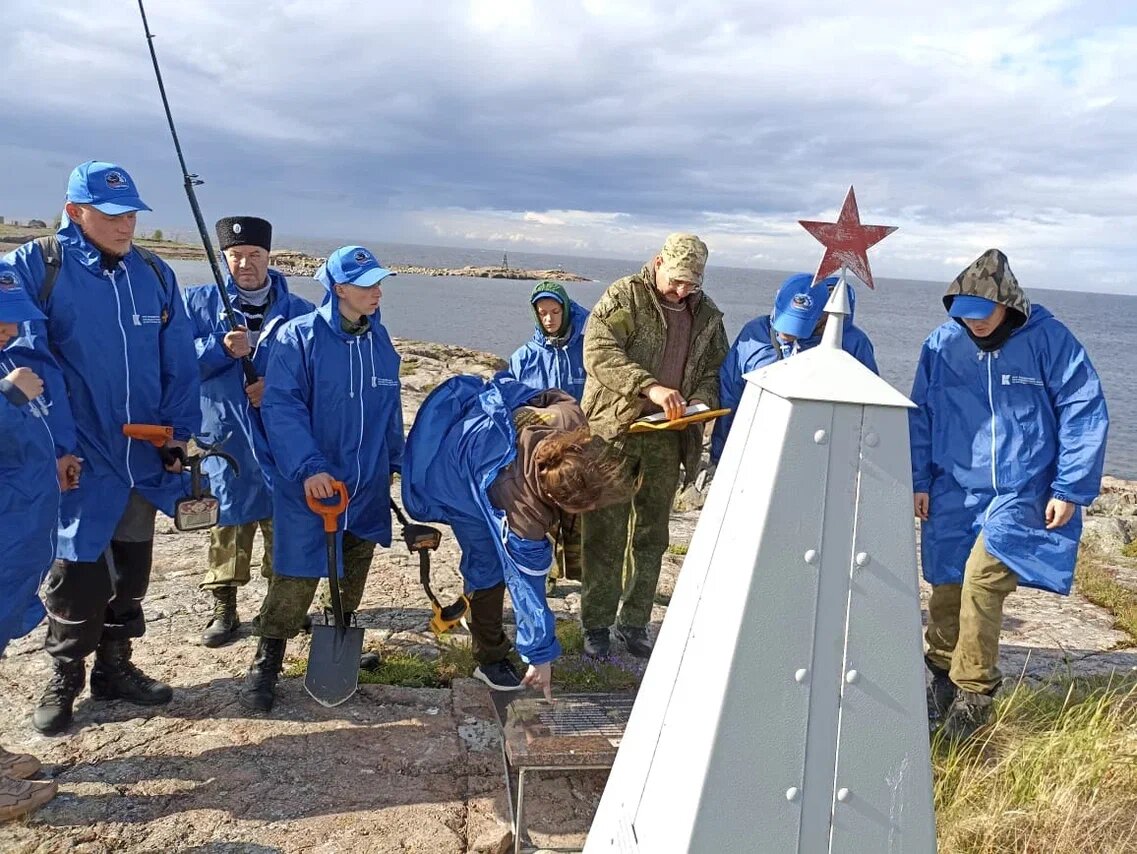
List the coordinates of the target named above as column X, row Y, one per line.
column 333, row 664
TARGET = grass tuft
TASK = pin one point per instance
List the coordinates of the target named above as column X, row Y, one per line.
column 1057, row 771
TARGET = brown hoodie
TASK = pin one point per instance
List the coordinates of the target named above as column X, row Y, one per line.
column 516, row 489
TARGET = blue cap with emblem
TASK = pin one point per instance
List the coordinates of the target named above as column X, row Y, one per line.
column 799, row 305
column 16, row 305
column 106, row 187
column 352, row 265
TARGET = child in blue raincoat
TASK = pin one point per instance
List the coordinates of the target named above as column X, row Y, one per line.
column 1008, row 444
column 332, row 411
column 554, row 358
column 796, row 324
column 499, row 463
column 29, row 514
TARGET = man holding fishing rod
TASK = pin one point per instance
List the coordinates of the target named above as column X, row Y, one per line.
column 118, row 329
column 230, row 408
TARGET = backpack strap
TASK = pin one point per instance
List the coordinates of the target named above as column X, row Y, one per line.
column 52, row 254
column 53, row 261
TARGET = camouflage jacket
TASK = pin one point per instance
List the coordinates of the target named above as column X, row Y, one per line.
column 623, row 347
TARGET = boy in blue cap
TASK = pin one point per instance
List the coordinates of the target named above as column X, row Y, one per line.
column 118, row 329
column 554, row 358
column 332, row 410
column 230, row 410
column 29, row 511
column 1008, row 443
column 795, row 324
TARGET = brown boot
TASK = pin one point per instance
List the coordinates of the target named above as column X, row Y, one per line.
column 20, row 797
column 17, row 766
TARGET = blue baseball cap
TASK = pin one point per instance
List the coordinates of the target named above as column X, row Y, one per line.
column 106, row 187
column 971, row 307
column 352, row 265
column 15, row 304
column 799, row 305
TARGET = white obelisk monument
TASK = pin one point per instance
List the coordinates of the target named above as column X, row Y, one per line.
column 783, row 709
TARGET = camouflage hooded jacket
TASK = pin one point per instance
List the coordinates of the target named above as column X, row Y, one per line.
column 989, row 276
column 623, row 349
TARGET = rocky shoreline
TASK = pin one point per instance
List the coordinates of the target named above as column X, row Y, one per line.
column 292, row 262
column 396, row 769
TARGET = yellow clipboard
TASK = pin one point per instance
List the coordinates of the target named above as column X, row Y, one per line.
column 643, row 425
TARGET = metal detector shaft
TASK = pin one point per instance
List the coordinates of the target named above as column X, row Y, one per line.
column 191, row 180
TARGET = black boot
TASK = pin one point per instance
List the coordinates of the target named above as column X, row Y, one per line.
column 940, row 694
column 259, row 689
column 597, row 642
column 114, row 677
column 969, row 713
column 635, row 639
column 53, row 713
column 223, row 626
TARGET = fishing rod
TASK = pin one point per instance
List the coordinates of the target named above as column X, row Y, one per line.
column 190, row 181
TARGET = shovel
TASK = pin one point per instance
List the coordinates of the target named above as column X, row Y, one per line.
column 333, row 658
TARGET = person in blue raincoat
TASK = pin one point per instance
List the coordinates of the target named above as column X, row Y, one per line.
column 332, row 410
column 554, row 358
column 117, row 326
column 499, row 463
column 29, row 513
column 230, row 410
column 796, row 323
column 1008, row 444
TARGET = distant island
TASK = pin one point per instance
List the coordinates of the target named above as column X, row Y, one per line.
column 291, row 262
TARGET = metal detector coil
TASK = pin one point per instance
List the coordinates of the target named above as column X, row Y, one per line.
column 424, row 539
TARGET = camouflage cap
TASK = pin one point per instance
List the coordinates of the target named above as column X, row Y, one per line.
column 684, row 257
column 989, row 276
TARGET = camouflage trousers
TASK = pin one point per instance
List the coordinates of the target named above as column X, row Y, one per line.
column 568, row 563
column 623, row 545
column 965, row 620
column 289, row 596
column 231, row 554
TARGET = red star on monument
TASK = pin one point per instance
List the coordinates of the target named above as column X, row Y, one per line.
column 846, row 241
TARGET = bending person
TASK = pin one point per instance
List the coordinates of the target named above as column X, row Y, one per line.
column 500, row 463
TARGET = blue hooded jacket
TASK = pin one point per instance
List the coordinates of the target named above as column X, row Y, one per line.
column 225, row 408
column 29, row 501
column 995, row 436
column 541, row 365
column 462, row 438
column 756, row 346
column 332, row 403
column 125, row 356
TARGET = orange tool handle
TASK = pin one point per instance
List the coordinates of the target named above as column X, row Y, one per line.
column 329, row 512
column 155, row 434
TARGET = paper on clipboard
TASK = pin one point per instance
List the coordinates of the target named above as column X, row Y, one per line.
column 694, row 414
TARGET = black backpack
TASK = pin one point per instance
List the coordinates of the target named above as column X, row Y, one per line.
column 53, row 261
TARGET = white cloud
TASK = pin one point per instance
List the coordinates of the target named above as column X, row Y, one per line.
column 599, row 126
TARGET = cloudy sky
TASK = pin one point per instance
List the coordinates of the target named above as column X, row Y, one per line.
column 594, row 127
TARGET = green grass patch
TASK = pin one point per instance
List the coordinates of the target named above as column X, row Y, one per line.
column 1057, row 771
column 573, row 671
column 1099, row 584
column 1130, row 549
column 677, row 549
